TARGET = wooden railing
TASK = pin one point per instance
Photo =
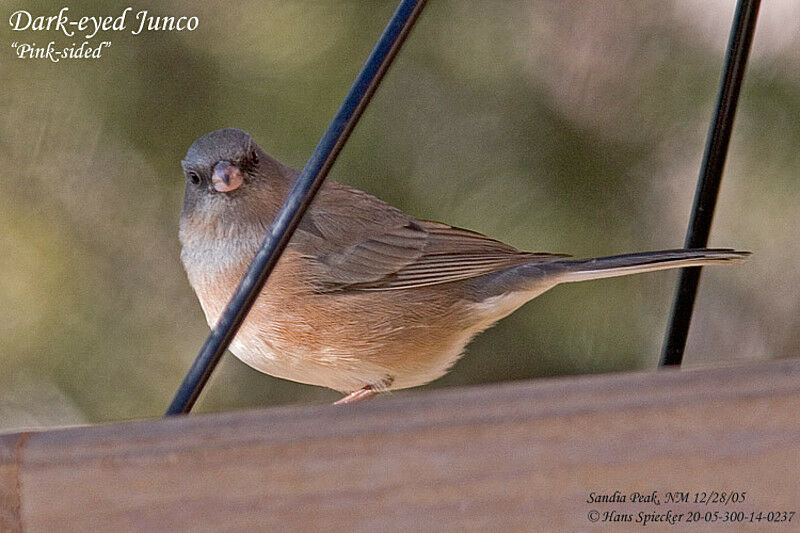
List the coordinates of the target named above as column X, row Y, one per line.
column 523, row 456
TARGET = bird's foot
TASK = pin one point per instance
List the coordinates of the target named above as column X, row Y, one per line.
column 367, row 391
column 355, row 396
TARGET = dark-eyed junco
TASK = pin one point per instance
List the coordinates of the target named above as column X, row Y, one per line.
column 365, row 298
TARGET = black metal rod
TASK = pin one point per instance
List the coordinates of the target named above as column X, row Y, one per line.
column 300, row 197
column 705, row 199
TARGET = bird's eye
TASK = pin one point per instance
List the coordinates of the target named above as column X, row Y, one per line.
column 194, row 178
column 254, row 158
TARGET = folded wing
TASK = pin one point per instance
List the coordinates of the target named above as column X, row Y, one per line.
column 417, row 254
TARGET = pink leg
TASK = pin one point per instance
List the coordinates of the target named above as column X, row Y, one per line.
column 355, row 396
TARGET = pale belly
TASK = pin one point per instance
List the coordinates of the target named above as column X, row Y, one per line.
column 371, row 353
column 387, row 340
column 342, row 370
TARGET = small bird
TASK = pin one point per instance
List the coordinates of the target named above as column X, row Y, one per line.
column 365, row 298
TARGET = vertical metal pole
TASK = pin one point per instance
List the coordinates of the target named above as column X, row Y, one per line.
column 300, row 197
column 705, row 199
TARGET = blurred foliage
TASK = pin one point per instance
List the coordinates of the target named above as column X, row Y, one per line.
column 557, row 126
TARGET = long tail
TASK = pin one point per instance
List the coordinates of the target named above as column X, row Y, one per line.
column 623, row 265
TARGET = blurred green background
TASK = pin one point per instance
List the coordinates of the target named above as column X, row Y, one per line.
column 557, row 126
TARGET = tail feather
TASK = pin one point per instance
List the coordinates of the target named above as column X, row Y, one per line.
column 623, row 265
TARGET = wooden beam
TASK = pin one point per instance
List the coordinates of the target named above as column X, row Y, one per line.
column 520, row 456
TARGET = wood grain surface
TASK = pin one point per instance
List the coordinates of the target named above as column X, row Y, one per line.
column 522, row 456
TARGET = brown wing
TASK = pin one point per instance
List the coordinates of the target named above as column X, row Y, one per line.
column 418, row 254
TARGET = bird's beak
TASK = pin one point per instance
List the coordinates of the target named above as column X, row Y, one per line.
column 226, row 177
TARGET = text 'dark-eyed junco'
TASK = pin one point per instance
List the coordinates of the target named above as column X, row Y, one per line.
column 365, row 298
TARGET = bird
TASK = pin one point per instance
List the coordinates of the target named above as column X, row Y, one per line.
column 365, row 298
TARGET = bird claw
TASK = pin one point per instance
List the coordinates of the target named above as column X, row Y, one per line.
column 355, row 396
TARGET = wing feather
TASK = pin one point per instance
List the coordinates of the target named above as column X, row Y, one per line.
column 418, row 254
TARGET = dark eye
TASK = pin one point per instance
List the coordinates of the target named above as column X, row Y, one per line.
column 194, row 178
column 254, row 158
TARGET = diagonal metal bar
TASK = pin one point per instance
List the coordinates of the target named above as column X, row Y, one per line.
column 300, row 197
column 719, row 135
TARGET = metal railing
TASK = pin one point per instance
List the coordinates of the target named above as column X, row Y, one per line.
column 719, row 136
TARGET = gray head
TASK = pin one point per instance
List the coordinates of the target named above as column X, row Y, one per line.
column 225, row 168
column 220, row 161
column 231, row 181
